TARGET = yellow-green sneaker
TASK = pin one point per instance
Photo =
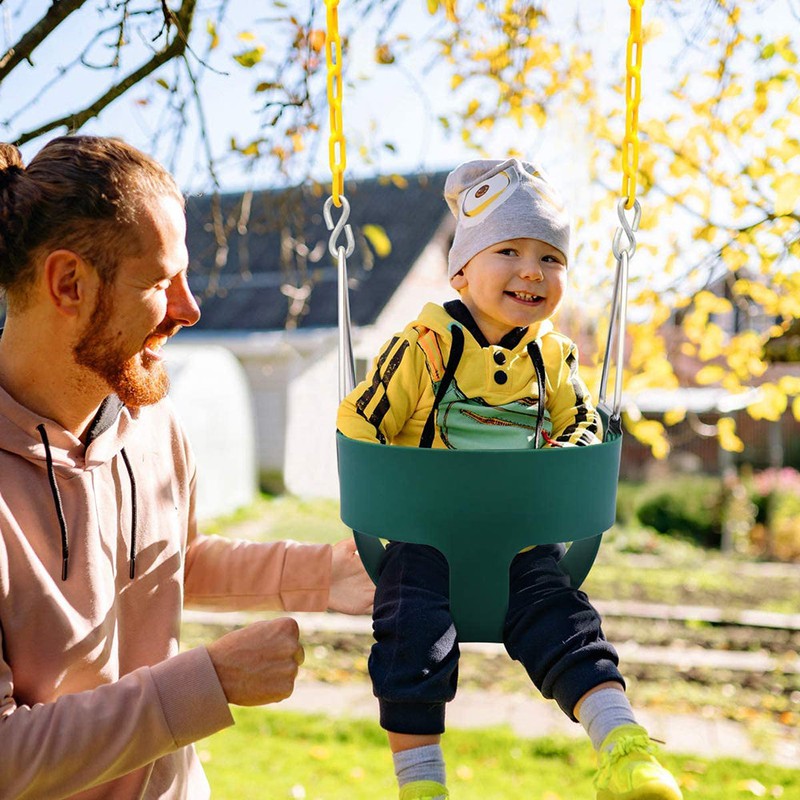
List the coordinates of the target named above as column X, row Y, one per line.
column 628, row 769
column 424, row 790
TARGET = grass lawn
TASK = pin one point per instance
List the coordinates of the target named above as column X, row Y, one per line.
column 271, row 755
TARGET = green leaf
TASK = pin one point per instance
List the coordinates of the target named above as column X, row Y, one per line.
column 249, row 58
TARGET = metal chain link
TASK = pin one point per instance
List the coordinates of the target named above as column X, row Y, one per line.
column 633, row 95
column 337, row 148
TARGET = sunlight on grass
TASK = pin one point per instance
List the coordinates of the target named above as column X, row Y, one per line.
column 271, row 755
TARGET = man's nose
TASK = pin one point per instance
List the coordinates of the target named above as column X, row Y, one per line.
column 181, row 306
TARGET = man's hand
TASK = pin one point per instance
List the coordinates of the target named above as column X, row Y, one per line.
column 258, row 664
column 352, row 590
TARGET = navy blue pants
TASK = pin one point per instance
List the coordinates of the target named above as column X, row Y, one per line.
column 551, row 628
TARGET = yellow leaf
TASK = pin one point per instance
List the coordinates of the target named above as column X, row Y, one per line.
column 377, row 237
column 674, row 417
column 770, row 405
column 790, row 384
column 709, row 375
column 211, row 28
column 246, row 36
column 650, row 432
column 726, row 434
column 787, row 193
column 796, row 408
column 752, row 786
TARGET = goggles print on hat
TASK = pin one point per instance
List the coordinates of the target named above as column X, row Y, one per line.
column 494, row 201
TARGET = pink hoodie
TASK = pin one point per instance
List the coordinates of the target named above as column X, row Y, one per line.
column 95, row 700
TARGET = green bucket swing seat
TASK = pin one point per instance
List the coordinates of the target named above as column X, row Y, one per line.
column 479, row 508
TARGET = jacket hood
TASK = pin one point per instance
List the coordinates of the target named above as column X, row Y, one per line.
column 437, row 318
column 20, row 434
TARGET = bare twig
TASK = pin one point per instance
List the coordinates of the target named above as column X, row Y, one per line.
column 24, row 48
column 182, row 18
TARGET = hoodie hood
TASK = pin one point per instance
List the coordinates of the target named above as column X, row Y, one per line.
column 19, row 435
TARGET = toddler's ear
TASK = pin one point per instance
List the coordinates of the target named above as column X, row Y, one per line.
column 459, row 280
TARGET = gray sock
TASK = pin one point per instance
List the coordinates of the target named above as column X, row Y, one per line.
column 419, row 764
column 603, row 711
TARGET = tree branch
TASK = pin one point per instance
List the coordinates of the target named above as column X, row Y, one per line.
column 21, row 51
column 182, row 18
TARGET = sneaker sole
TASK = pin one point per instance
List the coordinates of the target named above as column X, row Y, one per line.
column 642, row 793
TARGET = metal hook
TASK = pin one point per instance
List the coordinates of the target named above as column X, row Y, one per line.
column 341, row 225
column 626, row 227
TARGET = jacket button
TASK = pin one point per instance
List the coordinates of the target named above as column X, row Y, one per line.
column 499, row 358
column 500, row 377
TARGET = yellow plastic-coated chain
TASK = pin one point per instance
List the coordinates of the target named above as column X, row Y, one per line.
column 633, row 94
column 337, row 152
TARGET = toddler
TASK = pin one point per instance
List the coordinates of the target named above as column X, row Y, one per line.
column 488, row 371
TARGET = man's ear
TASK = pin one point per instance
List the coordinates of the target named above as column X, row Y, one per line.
column 70, row 281
column 459, row 280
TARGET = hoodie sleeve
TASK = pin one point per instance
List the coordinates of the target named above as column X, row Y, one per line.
column 574, row 418
column 80, row 740
column 239, row 575
column 379, row 407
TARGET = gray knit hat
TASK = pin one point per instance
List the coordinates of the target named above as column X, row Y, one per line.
column 497, row 200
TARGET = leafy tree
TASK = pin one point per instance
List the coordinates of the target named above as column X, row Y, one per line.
column 716, row 270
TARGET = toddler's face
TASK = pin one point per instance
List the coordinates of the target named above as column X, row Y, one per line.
column 512, row 284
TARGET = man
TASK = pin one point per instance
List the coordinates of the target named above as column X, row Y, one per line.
column 98, row 543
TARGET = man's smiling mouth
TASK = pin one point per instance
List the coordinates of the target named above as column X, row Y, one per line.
column 153, row 345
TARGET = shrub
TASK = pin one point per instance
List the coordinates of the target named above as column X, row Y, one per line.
column 689, row 508
column 776, row 496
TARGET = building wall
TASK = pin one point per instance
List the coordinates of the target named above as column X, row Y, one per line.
column 766, row 444
column 212, row 399
column 270, row 374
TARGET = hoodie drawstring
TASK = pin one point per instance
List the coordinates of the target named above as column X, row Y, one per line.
column 51, row 474
column 62, row 522
column 134, row 511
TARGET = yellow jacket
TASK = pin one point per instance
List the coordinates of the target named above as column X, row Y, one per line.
column 492, row 400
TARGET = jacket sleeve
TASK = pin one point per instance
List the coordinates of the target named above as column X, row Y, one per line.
column 573, row 415
column 57, row 749
column 379, row 407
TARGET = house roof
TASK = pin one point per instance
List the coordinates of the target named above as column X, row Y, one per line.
column 264, row 265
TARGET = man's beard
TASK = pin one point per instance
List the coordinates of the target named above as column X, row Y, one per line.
column 134, row 383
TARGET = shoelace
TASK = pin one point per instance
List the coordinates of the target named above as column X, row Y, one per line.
column 639, row 743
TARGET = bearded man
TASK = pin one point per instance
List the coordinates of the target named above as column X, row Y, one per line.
column 99, row 548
